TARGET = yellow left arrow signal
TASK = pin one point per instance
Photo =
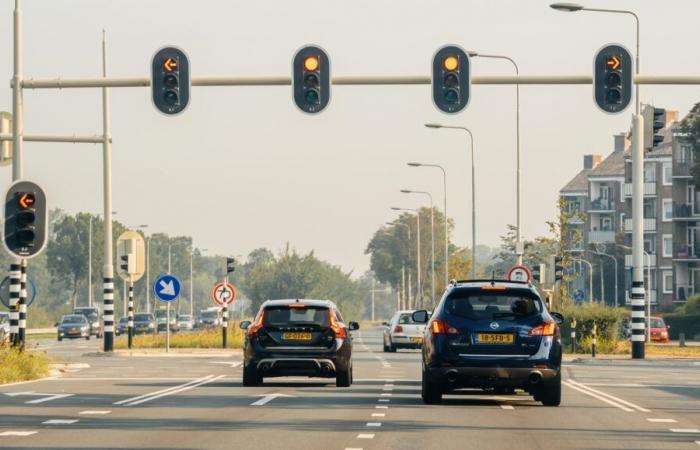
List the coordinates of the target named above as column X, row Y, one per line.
column 170, row 64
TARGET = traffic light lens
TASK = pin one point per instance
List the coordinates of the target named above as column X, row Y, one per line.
column 311, row 63
column 26, row 237
column 450, row 63
column 613, row 97
column 451, row 97
column 311, row 81
column 451, row 80
column 170, row 81
column 311, row 96
column 25, row 218
column 613, row 80
column 171, row 97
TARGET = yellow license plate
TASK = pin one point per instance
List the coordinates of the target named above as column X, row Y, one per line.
column 296, row 336
column 416, row 340
column 494, row 338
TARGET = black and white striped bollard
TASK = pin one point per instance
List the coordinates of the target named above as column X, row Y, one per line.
column 594, row 338
column 108, row 314
column 224, row 324
column 130, row 323
column 15, row 288
column 22, row 306
column 573, row 335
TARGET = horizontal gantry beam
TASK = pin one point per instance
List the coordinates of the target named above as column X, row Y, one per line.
column 74, row 139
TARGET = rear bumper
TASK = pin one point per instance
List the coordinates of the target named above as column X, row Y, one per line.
column 480, row 377
column 407, row 341
column 302, row 362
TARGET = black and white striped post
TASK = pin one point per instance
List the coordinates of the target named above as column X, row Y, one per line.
column 638, row 325
column 22, row 306
column 594, row 339
column 573, row 335
column 224, row 325
column 108, row 314
column 130, row 323
column 15, row 288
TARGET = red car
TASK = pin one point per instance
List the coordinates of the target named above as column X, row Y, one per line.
column 658, row 329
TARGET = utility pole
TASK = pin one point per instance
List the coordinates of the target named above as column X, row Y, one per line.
column 108, row 269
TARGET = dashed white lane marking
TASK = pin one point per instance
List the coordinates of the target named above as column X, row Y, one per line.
column 365, row 436
column 374, row 424
column 17, row 433
column 684, row 430
column 662, row 420
column 384, row 400
column 228, row 363
column 507, row 407
column 45, row 397
column 381, row 407
column 59, row 421
column 378, row 415
column 94, row 412
column 619, row 400
column 352, row 448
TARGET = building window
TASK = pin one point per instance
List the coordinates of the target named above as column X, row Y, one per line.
column 650, row 172
column 668, row 246
column 668, row 282
column 622, row 221
column 650, row 244
column 650, row 208
column 667, row 170
column 667, row 209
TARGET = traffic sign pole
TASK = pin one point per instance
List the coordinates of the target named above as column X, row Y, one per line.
column 15, row 280
column 224, row 318
column 130, row 323
column 22, row 305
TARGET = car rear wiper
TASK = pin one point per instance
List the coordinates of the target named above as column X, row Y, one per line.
column 507, row 314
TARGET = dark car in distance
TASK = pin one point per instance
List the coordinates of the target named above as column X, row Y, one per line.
column 491, row 334
column 92, row 314
column 144, row 323
column 298, row 338
column 73, row 326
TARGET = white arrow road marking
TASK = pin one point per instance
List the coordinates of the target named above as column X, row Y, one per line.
column 603, row 399
column 59, row 421
column 267, row 398
column 17, row 433
column 47, row 397
column 619, row 400
column 167, row 288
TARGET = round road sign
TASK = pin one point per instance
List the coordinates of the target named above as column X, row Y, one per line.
column 520, row 273
column 223, row 294
column 5, row 292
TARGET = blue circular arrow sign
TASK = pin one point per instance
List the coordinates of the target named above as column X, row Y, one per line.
column 167, row 288
column 579, row 295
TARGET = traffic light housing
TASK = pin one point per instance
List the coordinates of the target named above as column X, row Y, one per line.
column 170, row 80
column 451, row 79
column 558, row 269
column 311, row 79
column 127, row 263
column 538, row 273
column 654, row 121
column 612, row 78
column 26, row 217
column 230, row 265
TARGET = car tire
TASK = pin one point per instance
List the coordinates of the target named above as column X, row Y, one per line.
column 344, row 378
column 431, row 392
column 251, row 377
column 87, row 338
column 550, row 394
column 392, row 347
column 60, row 339
column 386, row 347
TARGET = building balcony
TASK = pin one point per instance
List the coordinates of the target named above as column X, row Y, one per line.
column 575, row 220
column 651, row 295
column 681, row 169
column 684, row 292
column 685, row 211
column 601, row 237
column 649, row 225
column 628, row 260
column 685, row 251
column 649, row 189
column 601, row 204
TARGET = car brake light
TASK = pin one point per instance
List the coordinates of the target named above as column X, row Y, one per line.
column 398, row 329
column 441, row 327
column 254, row 327
column 296, row 305
column 338, row 327
column 546, row 329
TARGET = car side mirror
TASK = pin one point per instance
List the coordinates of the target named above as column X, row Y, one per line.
column 56, row 324
column 386, row 324
column 244, row 325
column 420, row 316
column 558, row 318
column 352, row 326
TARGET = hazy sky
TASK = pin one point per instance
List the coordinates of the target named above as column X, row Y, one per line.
column 242, row 168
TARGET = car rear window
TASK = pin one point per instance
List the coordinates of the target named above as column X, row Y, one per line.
column 291, row 316
column 73, row 319
column 477, row 304
column 406, row 319
column 143, row 317
column 657, row 323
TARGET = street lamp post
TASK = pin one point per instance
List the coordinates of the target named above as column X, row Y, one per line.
column 638, row 290
column 590, row 276
column 418, row 277
column 597, row 252
column 432, row 241
column 192, row 281
column 471, row 138
column 405, row 289
column 447, row 239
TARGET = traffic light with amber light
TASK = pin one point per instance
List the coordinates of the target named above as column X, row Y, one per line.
column 230, row 265
column 451, row 80
column 311, row 79
column 612, row 78
column 170, row 80
column 26, row 216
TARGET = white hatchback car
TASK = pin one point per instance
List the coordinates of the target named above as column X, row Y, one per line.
column 402, row 332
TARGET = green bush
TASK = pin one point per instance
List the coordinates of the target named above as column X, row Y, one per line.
column 21, row 366
column 683, row 323
column 606, row 318
column 210, row 338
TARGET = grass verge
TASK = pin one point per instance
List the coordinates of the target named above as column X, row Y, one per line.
column 195, row 339
column 22, row 366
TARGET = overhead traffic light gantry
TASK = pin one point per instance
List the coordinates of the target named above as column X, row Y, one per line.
column 25, row 229
column 170, row 80
column 451, row 79
column 311, row 79
column 612, row 78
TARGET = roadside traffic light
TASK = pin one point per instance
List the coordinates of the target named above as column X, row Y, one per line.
column 538, row 273
column 451, row 79
column 654, row 120
column 170, row 80
column 558, row 269
column 612, row 78
column 128, row 263
column 230, row 265
column 311, row 79
column 25, row 219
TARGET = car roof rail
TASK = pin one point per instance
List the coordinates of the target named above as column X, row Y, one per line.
column 489, row 280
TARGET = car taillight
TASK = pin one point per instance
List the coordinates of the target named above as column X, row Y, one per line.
column 338, row 327
column 398, row 329
column 546, row 329
column 254, row 327
column 441, row 327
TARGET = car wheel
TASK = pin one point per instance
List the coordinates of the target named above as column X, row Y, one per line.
column 60, row 339
column 550, row 394
column 344, row 377
column 386, row 347
column 392, row 348
column 250, row 376
column 430, row 391
column 87, row 338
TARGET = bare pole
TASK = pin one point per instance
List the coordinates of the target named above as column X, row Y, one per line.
column 108, row 269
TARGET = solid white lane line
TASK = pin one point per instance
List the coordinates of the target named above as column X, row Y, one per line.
column 59, row 421
column 378, row 415
column 603, row 399
column 17, row 433
column 183, row 389
column 662, row 420
column 684, row 430
column 171, row 388
column 374, row 424
column 94, row 412
column 353, row 448
column 624, row 402
column 365, row 436
column 507, row 407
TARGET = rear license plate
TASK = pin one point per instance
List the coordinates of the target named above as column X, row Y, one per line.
column 494, row 338
column 416, row 340
column 296, row 336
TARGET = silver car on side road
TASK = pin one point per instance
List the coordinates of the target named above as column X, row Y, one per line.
column 402, row 332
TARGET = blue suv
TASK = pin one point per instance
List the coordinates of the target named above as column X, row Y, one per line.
column 491, row 334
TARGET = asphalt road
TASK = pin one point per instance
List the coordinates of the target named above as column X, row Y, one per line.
column 197, row 402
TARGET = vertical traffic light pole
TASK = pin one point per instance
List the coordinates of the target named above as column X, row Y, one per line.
column 224, row 315
column 130, row 322
column 15, row 280
column 22, row 305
